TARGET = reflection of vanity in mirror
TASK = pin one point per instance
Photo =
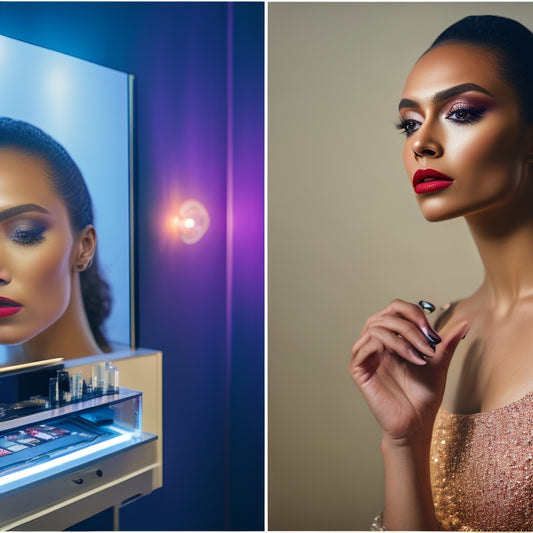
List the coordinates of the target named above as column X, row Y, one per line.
column 80, row 406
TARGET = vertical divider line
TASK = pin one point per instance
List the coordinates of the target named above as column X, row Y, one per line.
column 265, row 264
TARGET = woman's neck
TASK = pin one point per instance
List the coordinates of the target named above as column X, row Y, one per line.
column 504, row 238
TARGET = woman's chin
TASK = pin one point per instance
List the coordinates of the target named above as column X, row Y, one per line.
column 438, row 216
column 12, row 343
column 16, row 340
column 436, row 210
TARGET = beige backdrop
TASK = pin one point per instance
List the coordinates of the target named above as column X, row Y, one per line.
column 345, row 237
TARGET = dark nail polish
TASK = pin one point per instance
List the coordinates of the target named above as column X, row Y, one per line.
column 420, row 354
column 426, row 306
column 431, row 338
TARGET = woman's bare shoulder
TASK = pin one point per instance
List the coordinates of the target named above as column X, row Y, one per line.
column 444, row 314
column 462, row 309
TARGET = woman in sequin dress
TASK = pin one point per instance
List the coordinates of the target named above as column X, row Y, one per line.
column 459, row 455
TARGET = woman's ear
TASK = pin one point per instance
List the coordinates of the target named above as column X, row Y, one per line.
column 84, row 249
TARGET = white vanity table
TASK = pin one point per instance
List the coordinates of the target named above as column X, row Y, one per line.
column 122, row 467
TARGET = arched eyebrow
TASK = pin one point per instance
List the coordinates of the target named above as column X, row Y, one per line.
column 443, row 95
column 17, row 210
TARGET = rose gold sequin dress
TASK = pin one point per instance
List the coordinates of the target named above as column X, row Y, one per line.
column 482, row 469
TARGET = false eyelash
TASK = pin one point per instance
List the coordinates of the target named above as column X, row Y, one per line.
column 475, row 115
column 401, row 125
column 28, row 237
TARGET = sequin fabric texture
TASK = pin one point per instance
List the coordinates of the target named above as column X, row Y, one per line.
column 482, row 469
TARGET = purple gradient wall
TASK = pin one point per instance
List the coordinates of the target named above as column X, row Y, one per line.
column 199, row 133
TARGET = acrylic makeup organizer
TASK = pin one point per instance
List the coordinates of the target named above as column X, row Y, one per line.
column 62, row 463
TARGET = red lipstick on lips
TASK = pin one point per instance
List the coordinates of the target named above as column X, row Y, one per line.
column 9, row 307
column 429, row 180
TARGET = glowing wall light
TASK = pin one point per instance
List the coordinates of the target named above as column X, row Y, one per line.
column 191, row 222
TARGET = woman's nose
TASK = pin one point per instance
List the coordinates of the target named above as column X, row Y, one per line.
column 426, row 144
column 5, row 276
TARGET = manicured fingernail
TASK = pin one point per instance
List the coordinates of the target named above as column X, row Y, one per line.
column 426, row 306
column 420, row 354
column 433, row 338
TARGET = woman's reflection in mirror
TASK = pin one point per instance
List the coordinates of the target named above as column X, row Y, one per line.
column 53, row 300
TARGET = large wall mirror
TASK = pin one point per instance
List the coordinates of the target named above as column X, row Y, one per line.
column 87, row 109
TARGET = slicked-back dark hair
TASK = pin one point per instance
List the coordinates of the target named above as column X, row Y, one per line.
column 509, row 41
column 67, row 181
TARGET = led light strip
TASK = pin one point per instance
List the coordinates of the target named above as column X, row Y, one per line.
column 58, row 461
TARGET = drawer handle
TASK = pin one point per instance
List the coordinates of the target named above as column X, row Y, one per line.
column 79, row 480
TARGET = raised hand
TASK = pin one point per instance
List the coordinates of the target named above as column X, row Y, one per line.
column 400, row 365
